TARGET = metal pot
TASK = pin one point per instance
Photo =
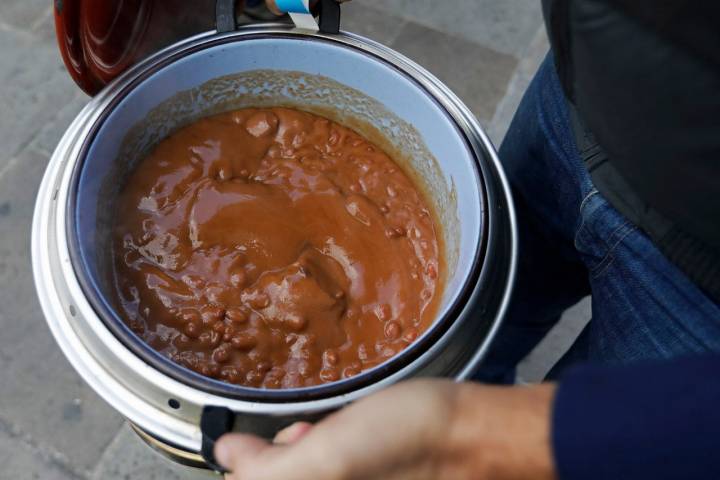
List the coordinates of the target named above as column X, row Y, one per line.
column 357, row 81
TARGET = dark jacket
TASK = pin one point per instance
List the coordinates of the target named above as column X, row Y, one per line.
column 643, row 79
column 644, row 422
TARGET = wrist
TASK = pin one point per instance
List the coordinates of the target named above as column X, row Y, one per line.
column 502, row 433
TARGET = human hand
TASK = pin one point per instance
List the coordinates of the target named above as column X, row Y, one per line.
column 415, row 430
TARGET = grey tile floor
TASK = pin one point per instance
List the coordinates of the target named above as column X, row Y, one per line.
column 52, row 426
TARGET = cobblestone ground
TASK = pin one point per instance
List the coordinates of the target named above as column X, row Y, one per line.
column 52, row 426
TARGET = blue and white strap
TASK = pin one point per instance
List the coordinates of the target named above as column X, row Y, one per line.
column 299, row 11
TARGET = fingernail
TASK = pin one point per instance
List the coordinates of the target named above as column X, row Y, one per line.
column 223, row 453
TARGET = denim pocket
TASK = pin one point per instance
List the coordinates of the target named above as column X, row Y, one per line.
column 600, row 231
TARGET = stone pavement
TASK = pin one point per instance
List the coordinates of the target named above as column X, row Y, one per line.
column 52, row 426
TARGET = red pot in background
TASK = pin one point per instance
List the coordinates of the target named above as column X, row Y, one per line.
column 100, row 39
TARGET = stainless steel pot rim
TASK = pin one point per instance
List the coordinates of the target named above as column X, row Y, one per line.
column 164, row 364
column 117, row 374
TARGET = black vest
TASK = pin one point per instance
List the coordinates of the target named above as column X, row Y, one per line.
column 643, row 79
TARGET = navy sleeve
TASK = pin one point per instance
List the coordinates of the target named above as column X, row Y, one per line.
column 656, row 421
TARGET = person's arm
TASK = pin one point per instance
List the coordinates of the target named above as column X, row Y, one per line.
column 433, row 429
column 657, row 421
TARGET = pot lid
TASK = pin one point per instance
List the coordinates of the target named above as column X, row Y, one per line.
column 100, row 40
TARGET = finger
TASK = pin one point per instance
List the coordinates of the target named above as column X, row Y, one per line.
column 233, row 450
column 293, row 433
column 305, row 459
column 272, row 6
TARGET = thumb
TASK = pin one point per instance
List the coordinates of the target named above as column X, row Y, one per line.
column 293, row 433
column 233, row 450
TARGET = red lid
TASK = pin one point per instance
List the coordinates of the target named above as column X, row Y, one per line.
column 99, row 39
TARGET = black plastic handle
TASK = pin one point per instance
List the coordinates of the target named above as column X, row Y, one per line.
column 214, row 423
column 329, row 16
column 225, row 16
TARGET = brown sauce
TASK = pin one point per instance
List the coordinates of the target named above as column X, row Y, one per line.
column 274, row 248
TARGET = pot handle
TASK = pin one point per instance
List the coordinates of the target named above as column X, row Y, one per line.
column 214, row 423
column 330, row 16
column 328, row 12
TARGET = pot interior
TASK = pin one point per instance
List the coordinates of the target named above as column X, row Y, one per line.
column 344, row 83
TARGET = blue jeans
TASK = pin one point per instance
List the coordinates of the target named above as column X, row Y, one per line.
column 574, row 243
